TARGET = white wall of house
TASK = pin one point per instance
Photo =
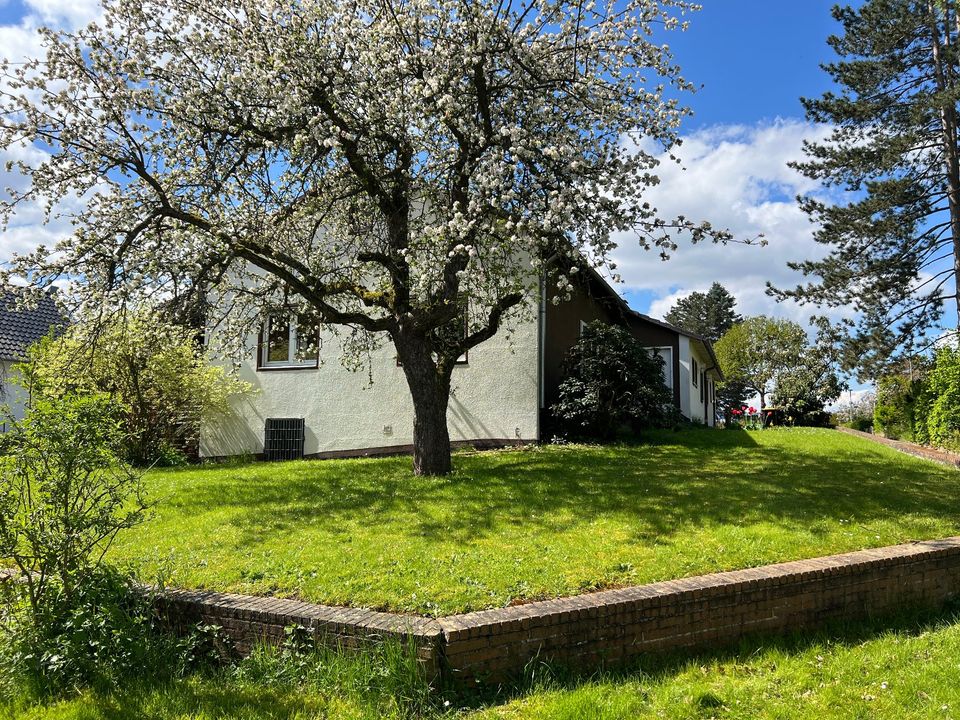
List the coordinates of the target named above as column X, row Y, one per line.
column 494, row 396
column 11, row 395
column 691, row 404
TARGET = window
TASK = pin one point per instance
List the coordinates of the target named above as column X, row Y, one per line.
column 666, row 353
column 289, row 343
column 703, row 387
column 694, row 371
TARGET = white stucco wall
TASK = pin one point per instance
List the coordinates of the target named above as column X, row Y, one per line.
column 494, row 396
column 11, row 395
column 690, row 404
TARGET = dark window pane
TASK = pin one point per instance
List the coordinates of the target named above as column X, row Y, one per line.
column 278, row 340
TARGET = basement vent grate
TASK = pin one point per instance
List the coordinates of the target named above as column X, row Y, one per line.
column 283, row 439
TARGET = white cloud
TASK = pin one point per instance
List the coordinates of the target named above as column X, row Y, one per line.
column 68, row 14
column 19, row 42
column 736, row 177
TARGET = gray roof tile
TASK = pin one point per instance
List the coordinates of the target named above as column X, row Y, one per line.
column 20, row 328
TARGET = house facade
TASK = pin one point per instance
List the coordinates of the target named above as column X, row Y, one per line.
column 500, row 391
column 20, row 328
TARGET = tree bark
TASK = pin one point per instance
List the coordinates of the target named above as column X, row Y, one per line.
column 944, row 78
column 430, row 391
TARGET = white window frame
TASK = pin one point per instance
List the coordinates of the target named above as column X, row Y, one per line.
column 667, row 363
column 694, row 372
column 291, row 363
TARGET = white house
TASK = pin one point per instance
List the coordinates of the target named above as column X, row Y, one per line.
column 500, row 390
column 18, row 330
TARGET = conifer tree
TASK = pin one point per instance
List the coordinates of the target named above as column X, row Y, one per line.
column 894, row 242
column 708, row 314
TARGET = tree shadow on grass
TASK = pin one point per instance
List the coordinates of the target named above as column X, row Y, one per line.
column 693, row 478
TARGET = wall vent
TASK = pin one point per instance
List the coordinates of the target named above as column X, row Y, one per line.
column 283, row 439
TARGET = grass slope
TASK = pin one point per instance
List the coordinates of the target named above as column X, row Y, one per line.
column 538, row 523
column 861, row 671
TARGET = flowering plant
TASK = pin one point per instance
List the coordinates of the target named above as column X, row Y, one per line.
column 748, row 415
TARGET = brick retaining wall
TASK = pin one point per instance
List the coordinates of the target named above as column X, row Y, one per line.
column 246, row 620
column 612, row 626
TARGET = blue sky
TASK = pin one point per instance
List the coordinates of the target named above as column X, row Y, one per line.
column 754, row 60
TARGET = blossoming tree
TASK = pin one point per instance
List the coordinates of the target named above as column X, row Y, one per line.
column 380, row 164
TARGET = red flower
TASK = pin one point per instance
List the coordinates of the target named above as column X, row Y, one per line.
column 752, row 410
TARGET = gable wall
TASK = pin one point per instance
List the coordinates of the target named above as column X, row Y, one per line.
column 563, row 330
column 493, row 397
column 563, row 321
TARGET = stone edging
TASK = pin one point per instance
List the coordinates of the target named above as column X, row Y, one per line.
column 589, row 631
column 927, row 453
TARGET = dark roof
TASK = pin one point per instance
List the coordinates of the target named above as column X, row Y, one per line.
column 20, row 328
column 625, row 308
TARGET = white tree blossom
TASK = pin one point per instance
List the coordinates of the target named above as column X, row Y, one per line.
column 378, row 162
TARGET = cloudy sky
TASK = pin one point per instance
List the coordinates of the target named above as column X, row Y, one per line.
column 753, row 58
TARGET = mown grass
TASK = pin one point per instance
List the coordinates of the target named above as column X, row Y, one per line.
column 907, row 667
column 897, row 668
column 535, row 523
column 272, row 683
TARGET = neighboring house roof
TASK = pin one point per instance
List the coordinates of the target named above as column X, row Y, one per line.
column 599, row 281
column 20, row 328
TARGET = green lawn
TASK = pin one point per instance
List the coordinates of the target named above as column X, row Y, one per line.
column 862, row 671
column 536, row 523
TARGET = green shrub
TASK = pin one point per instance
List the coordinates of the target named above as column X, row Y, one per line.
column 101, row 633
column 64, row 496
column 896, row 413
column 611, row 382
column 939, row 404
column 155, row 371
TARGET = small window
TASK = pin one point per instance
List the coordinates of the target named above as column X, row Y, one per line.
column 289, row 342
column 694, row 371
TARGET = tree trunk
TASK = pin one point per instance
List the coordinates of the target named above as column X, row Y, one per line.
column 945, row 81
column 430, row 392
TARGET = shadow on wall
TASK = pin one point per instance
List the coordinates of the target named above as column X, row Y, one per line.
column 231, row 433
column 463, row 424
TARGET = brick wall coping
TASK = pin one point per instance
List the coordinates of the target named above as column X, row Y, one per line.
column 695, row 587
column 289, row 612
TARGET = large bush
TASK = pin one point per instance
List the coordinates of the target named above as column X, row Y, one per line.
column 900, row 410
column 155, row 371
column 611, row 382
column 64, row 497
column 939, row 404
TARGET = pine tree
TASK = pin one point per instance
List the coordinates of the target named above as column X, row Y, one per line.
column 894, row 242
column 708, row 315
